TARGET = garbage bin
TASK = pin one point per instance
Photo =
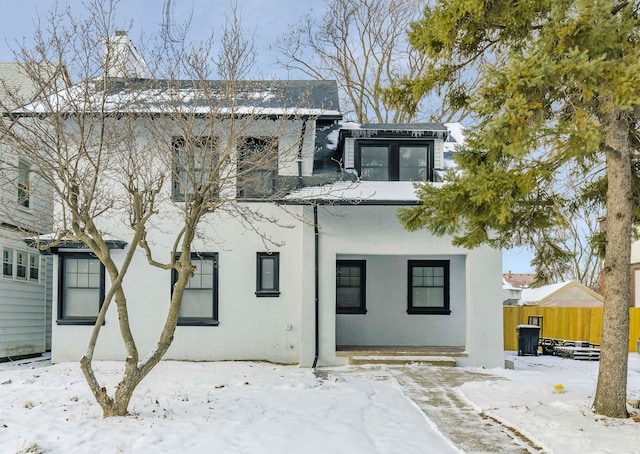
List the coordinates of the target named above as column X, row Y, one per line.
column 528, row 336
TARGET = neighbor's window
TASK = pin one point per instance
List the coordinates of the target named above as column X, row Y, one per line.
column 200, row 298
column 268, row 274
column 7, row 262
column 428, row 287
column 80, row 288
column 257, row 167
column 21, row 265
column 350, row 286
column 34, row 267
column 195, row 161
column 23, row 184
column 394, row 161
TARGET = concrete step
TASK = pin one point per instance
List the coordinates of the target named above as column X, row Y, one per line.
column 398, row 359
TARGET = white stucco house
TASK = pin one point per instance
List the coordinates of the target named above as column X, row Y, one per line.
column 341, row 272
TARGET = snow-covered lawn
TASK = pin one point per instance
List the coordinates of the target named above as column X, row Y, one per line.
column 222, row 407
column 247, row 407
column 549, row 400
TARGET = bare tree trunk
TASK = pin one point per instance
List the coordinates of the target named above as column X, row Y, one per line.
column 610, row 399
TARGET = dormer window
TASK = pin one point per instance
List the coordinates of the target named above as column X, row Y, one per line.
column 394, row 160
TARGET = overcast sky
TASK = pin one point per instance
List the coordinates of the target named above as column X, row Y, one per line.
column 268, row 18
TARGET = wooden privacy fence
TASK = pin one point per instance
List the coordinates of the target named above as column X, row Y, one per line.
column 570, row 323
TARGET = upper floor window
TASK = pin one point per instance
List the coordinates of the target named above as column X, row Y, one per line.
column 257, row 167
column 80, row 288
column 200, row 298
column 394, row 161
column 195, row 163
column 24, row 184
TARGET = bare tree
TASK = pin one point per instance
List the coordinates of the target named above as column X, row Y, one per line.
column 363, row 45
column 134, row 145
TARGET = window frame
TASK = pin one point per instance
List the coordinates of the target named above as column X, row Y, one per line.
column 261, row 290
column 269, row 144
column 179, row 144
column 445, row 309
column 362, row 307
column 393, row 162
column 12, row 263
column 201, row 321
column 63, row 319
column 24, row 184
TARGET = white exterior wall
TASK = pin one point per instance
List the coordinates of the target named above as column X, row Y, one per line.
column 251, row 327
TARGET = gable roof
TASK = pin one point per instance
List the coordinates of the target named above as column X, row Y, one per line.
column 569, row 293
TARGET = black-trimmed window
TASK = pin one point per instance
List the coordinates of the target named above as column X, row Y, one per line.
column 24, row 184
column 394, row 160
column 257, row 167
column 80, row 288
column 268, row 274
column 428, row 287
column 350, row 286
column 200, row 298
column 195, row 159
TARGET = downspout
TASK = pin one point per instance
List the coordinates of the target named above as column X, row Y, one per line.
column 317, row 280
column 299, row 158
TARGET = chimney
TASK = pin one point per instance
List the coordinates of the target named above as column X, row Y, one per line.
column 122, row 59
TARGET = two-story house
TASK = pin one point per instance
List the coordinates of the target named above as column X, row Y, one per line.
column 338, row 270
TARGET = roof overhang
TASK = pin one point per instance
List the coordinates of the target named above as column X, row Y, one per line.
column 44, row 244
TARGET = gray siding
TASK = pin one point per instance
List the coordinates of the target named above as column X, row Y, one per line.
column 22, row 319
column 24, row 328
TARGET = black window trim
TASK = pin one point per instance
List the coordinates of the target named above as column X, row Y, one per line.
column 446, row 309
column 201, row 321
column 362, row 309
column 260, row 290
column 179, row 143
column 269, row 142
column 61, row 319
column 393, row 147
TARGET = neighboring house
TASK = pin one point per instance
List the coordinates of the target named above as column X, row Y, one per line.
column 345, row 272
column 512, row 286
column 562, row 294
column 26, row 280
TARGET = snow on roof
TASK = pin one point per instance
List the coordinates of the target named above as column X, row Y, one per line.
column 301, row 97
column 539, row 293
column 456, row 134
column 360, row 192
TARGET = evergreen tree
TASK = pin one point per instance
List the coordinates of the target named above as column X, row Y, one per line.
column 561, row 90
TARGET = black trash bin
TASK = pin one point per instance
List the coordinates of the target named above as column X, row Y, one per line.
column 528, row 336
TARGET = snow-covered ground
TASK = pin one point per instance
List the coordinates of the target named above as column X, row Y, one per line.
column 248, row 407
